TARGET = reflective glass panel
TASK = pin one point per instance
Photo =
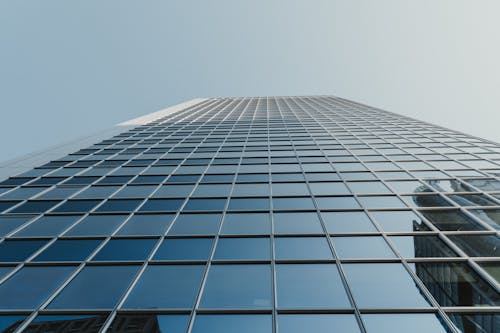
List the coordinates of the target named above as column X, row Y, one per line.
column 184, row 249
column 302, row 248
column 243, row 249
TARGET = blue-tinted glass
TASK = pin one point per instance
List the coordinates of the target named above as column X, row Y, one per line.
column 256, row 177
column 287, row 189
column 47, row 226
column 66, row 323
column 59, row 193
column 404, row 322
column 456, row 284
column 31, row 286
column 381, row 202
column 9, row 223
column 77, row 206
column 23, row 193
column 326, row 203
column 243, row 249
column 297, row 223
column 4, row 270
column 302, row 248
column 224, row 290
column 68, row 250
column 310, row 286
column 373, row 286
column 96, row 225
column 251, row 190
column 293, row 204
column 146, row 224
column 161, row 205
column 4, row 205
column 95, row 287
column 422, row 246
column 184, row 249
column 246, row 224
column 230, row 323
column 125, row 249
column 205, row 204
column 196, row 224
column 19, row 250
column 172, row 286
column 10, row 323
column 249, row 204
column 173, row 191
column 362, row 247
column 212, row 190
column 347, row 222
column 171, row 323
column 317, row 323
column 478, row 245
column 399, row 221
column 119, row 205
column 452, row 220
column 476, row 322
column 368, row 187
column 34, row 206
column 329, row 188
column 183, row 179
column 97, row 192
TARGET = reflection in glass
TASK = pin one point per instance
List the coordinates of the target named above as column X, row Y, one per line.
column 422, row 246
column 449, row 185
column 493, row 269
column 373, row 286
column 490, row 216
column 317, row 323
column 399, row 221
column 476, row 322
column 403, row 322
column 478, row 245
column 296, row 223
column 150, row 323
column 231, row 323
column 451, row 220
column 66, row 323
column 9, row 323
column 455, row 284
column 362, row 247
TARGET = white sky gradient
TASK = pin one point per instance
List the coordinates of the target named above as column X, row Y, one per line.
column 70, row 68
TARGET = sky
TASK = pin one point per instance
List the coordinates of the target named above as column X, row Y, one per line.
column 71, row 68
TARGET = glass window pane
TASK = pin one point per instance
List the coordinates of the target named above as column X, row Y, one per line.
column 69, row 250
column 251, row 190
column 478, row 245
column 97, row 192
column 31, row 286
column 95, row 287
column 224, row 290
column 135, row 191
column 96, row 225
column 404, row 322
column 134, row 323
column 317, row 323
column 329, row 188
column 171, row 286
column 161, row 205
column 230, row 323
column 305, row 203
column 9, row 223
column 196, row 224
column 246, row 224
column 373, row 285
column 287, row 189
column 452, row 220
column 381, row 202
column 422, row 246
column 77, row 206
column 184, row 249
column 362, row 247
column 173, row 191
column 19, row 250
column 10, row 323
column 119, row 205
column 47, row 226
column 205, row 204
column 399, row 221
column 335, row 203
column 35, row 206
column 368, row 187
column 249, row 204
column 456, row 284
column 125, row 250
column 297, row 223
column 146, row 224
column 302, row 248
column 476, row 322
column 66, row 323
column 243, row 249
column 347, row 222
column 310, row 286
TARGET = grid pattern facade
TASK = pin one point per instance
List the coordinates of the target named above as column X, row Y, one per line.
column 278, row 214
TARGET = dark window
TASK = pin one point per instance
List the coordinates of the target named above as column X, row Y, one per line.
column 334, row 203
column 34, row 206
column 77, row 206
column 117, row 205
column 146, row 224
column 9, row 223
column 229, row 323
column 184, row 249
column 161, row 205
column 249, row 204
column 47, row 226
column 129, row 323
column 318, row 323
column 297, row 223
column 205, row 204
column 305, row 203
column 125, row 249
column 96, row 225
column 196, row 224
column 19, row 250
column 246, row 224
column 302, row 248
column 68, row 250
column 347, row 222
column 243, row 249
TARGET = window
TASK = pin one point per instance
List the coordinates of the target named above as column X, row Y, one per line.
column 77, row 206
column 403, row 322
column 399, row 221
column 212, row 190
column 230, row 323
column 135, row 191
column 161, row 205
column 223, row 287
column 171, row 323
column 249, row 204
column 33, row 207
column 368, row 187
column 289, row 189
column 381, row 202
column 69, row 250
column 293, row 204
column 99, row 192
column 170, row 286
column 329, row 188
column 310, row 286
column 251, row 190
column 125, row 250
column 422, row 246
column 318, row 323
column 243, row 249
column 47, row 226
column 297, row 223
column 31, row 286
column 9, row 223
column 246, row 224
column 146, row 224
column 205, row 204
column 347, row 222
column 66, row 323
column 173, row 191
column 196, row 224
column 373, row 285
column 302, row 248
column 96, row 225
column 184, row 249
column 451, row 220
column 95, row 287
column 19, row 250
column 335, row 203
column 362, row 247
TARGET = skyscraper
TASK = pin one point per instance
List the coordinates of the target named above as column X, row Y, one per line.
column 273, row 214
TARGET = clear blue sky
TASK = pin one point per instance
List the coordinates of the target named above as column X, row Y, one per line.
column 68, row 68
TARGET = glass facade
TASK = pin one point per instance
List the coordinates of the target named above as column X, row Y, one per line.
column 278, row 214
